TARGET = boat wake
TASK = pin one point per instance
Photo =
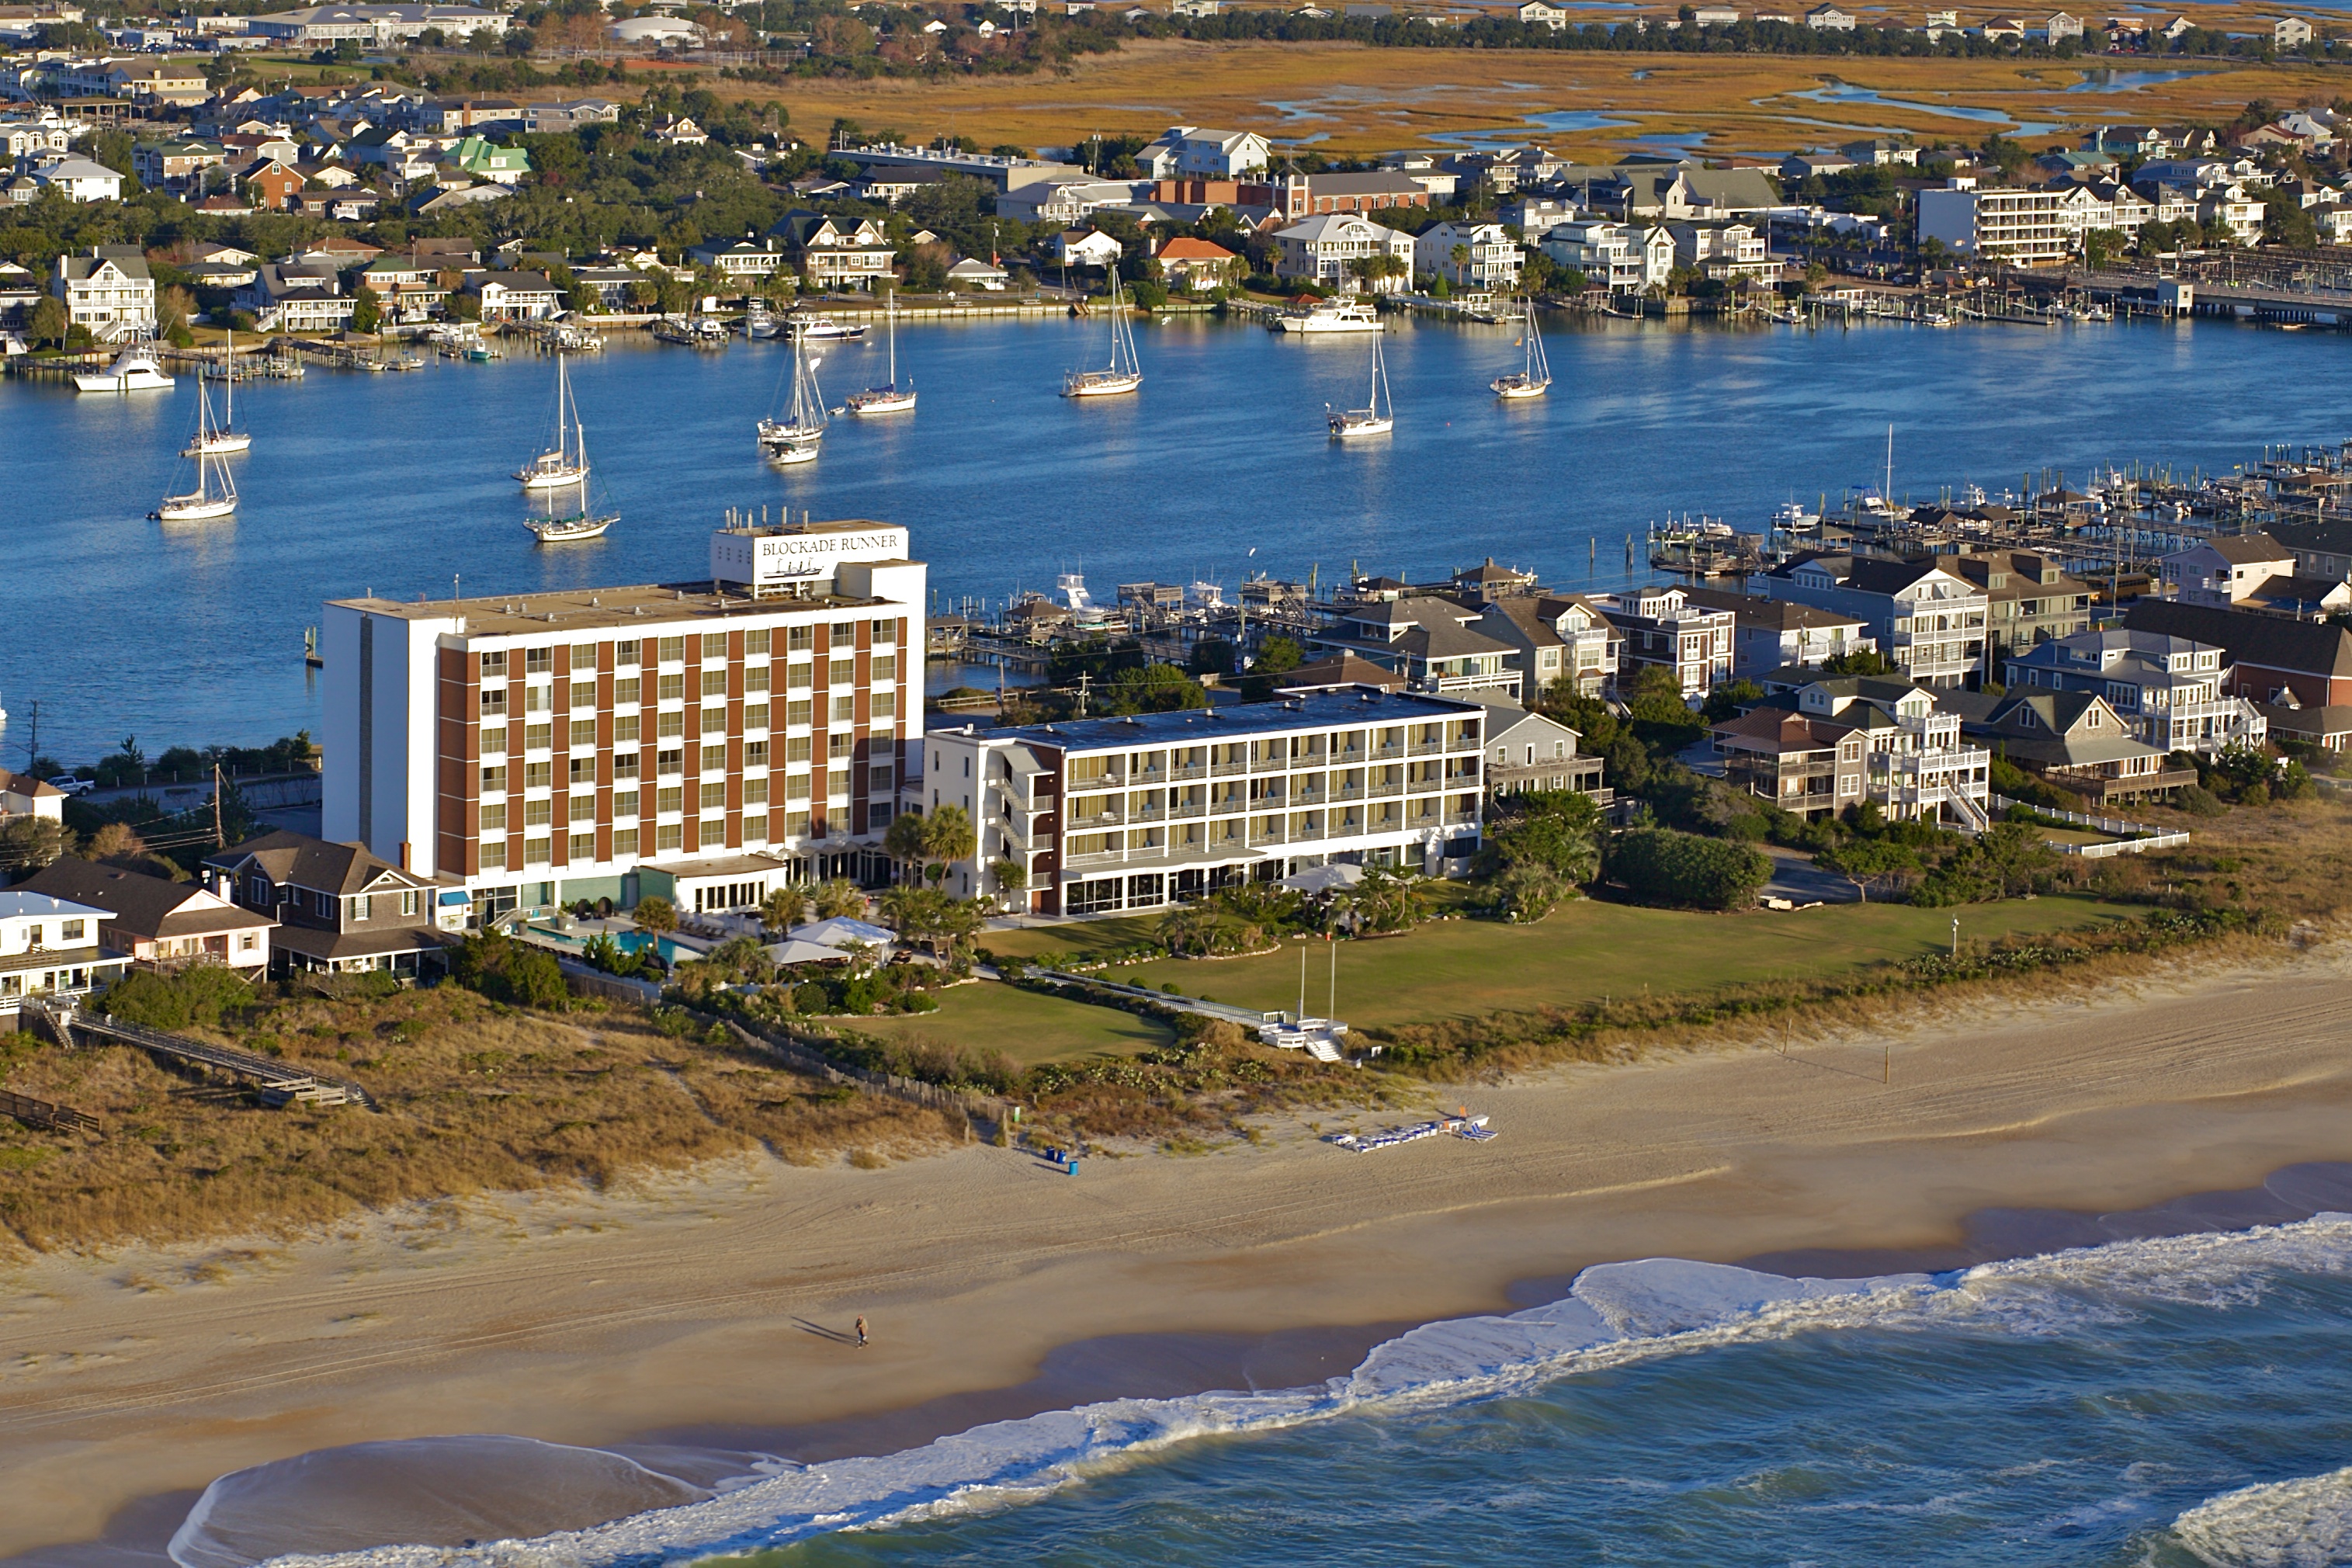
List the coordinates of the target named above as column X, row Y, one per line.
column 1614, row 1314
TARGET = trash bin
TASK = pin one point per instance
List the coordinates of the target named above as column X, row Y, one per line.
column 1073, row 1167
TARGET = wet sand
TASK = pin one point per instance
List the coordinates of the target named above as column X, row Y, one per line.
column 711, row 1310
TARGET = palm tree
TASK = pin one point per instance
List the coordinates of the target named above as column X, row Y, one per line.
column 1460, row 256
column 840, row 899
column 655, row 915
column 904, row 840
column 783, row 908
column 948, row 837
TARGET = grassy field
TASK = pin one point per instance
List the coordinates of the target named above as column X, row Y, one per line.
column 1465, row 969
column 1359, row 99
column 1028, row 1027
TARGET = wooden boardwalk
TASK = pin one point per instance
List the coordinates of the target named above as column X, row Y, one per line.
column 45, row 1114
column 279, row 1083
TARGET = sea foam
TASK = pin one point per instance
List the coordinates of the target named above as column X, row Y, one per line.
column 1614, row 1314
column 2303, row 1523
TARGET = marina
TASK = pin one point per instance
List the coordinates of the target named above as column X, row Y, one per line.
column 1218, row 456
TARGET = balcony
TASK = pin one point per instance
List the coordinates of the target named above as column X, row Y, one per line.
column 1381, row 790
column 1386, row 754
column 1267, row 835
column 1189, row 808
column 1349, row 791
column 1190, row 770
column 1099, row 819
column 1228, row 770
column 1148, row 814
column 1426, row 747
column 1099, row 858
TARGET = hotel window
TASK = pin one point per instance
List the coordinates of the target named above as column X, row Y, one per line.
column 877, row 780
column 538, row 812
column 755, row 830
column 755, row 753
column 494, row 855
column 844, row 709
column 673, row 688
column 625, row 765
column 583, row 849
column 798, row 713
column 755, row 791
column 494, row 818
column 796, row 787
column 538, row 737
column 537, row 776
column 494, row 703
column 494, row 664
column 885, row 632
column 796, row 748
column 671, row 761
column 625, row 653
column 669, row 836
column 583, row 732
column 625, row 689
column 755, row 641
column 668, row 726
column 624, row 803
column 714, row 720
column 583, row 771
column 624, row 842
column 714, row 794
column 796, row 824
column 799, row 639
column 583, row 656
column 841, row 672
column 755, row 716
column 537, row 660
column 839, row 746
column 583, row 694
column 494, row 741
column 673, row 650
column 798, row 675
column 756, row 680
column 844, row 634
column 535, row 700
column 714, row 645
column 670, row 798
column 714, row 759
column 883, row 705
column 836, row 782
column 494, row 780
column 714, row 683
column 536, row 851
column 625, row 729
column 885, row 668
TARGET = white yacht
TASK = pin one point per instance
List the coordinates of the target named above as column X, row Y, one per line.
column 794, row 437
column 565, row 463
column 821, row 329
column 1125, row 372
column 1533, row 379
column 1378, row 419
column 1329, row 316
column 224, row 438
column 215, row 492
column 133, row 370
column 890, row 397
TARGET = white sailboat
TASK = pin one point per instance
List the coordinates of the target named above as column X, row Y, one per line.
column 794, row 437
column 1534, row 378
column 565, row 463
column 226, row 437
column 1126, row 372
column 890, row 397
column 215, row 492
column 579, row 522
column 1378, row 419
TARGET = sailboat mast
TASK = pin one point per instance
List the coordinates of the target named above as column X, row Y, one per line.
column 229, row 397
column 891, row 325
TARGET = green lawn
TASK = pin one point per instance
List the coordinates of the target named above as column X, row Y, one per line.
column 1031, row 1028
column 1454, row 969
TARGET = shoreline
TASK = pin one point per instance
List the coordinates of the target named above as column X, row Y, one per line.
column 699, row 1310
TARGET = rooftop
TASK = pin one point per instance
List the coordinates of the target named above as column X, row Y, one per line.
column 1313, row 711
column 593, row 609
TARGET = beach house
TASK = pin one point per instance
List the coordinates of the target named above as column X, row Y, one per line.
column 160, row 924
column 2173, row 692
column 1926, row 619
column 50, row 947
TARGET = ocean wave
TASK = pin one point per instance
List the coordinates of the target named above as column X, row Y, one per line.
column 2303, row 1523
column 1614, row 1314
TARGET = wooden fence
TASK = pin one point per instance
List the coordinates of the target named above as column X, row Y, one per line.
column 915, row 1092
column 43, row 1113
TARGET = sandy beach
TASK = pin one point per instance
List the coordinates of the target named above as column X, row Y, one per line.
column 712, row 1304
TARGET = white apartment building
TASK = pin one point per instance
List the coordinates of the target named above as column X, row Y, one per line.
column 1928, row 623
column 2024, row 229
column 1629, row 258
column 1724, row 251
column 705, row 742
column 1320, row 247
column 1489, row 259
column 51, row 947
column 110, row 291
column 1141, row 812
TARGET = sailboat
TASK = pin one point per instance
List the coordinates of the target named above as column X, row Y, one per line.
column 1534, row 378
column 1126, row 372
column 215, row 492
column 566, row 462
column 227, row 438
column 890, row 397
column 793, row 439
column 564, row 527
column 1376, row 420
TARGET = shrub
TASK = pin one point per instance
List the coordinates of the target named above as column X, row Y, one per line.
column 1686, row 869
column 191, row 997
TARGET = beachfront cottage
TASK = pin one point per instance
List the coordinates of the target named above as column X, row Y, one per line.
column 50, row 947
column 339, row 910
column 2074, row 738
column 1662, row 627
column 1865, row 738
column 836, row 252
column 160, row 924
column 514, row 296
column 2177, row 693
column 1326, row 248
column 1774, row 634
column 1526, row 751
column 110, row 290
column 1488, row 257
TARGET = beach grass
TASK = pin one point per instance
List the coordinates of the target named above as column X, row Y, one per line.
column 1030, row 1029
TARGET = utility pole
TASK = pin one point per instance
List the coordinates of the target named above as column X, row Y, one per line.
column 33, row 740
column 220, row 841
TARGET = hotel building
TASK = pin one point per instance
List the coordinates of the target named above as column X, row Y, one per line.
column 702, row 742
column 1136, row 813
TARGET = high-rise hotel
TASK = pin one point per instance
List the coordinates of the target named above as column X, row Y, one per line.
column 703, row 741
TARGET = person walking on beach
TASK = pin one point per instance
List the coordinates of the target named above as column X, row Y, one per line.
column 861, row 1333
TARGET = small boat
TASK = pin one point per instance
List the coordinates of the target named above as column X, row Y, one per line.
column 821, row 329
column 1534, row 378
column 566, row 462
column 1347, row 424
column 795, row 437
column 1125, row 372
column 227, row 437
column 1328, row 316
column 890, row 397
column 566, row 528
column 133, row 370
column 215, row 492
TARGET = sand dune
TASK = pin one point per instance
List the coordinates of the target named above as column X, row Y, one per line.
column 704, row 1304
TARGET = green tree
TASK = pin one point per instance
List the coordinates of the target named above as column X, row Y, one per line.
column 367, row 309
column 1725, row 701
column 903, row 841
column 1862, row 861
column 783, row 908
column 50, row 323
column 655, row 914
column 1863, row 661
column 1012, row 878
column 1687, row 868
column 29, row 842
column 839, row 900
column 948, row 837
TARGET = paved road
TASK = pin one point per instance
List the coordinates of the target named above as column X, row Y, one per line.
column 1798, row 880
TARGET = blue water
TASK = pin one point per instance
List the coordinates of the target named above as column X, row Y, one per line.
column 1220, row 467
column 1845, row 92
column 2166, row 1401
